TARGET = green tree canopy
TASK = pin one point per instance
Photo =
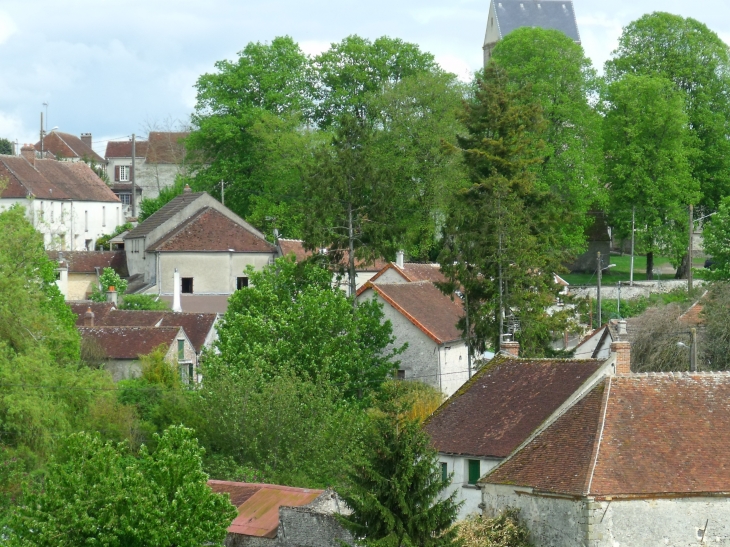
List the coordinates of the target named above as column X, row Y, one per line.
column 97, row 493
column 6, row 146
column 108, row 278
column 290, row 319
column 716, row 235
column 648, row 148
column 562, row 81
column 697, row 61
column 394, row 489
column 502, row 243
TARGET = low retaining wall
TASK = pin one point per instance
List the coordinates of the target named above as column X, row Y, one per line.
column 640, row 288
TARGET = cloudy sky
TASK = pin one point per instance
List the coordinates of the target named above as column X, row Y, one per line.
column 114, row 68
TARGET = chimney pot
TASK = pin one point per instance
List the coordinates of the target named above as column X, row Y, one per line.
column 187, row 189
column 89, row 318
column 622, row 349
column 111, row 295
column 176, row 306
column 399, row 259
column 28, row 152
column 510, row 347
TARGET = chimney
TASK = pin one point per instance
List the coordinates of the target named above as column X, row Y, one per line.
column 28, row 152
column 86, row 139
column 622, row 348
column 187, row 189
column 176, row 292
column 89, row 318
column 399, row 259
column 510, row 347
column 111, row 296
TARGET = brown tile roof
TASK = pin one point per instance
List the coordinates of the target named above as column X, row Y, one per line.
column 88, row 261
column 197, row 326
column 100, row 309
column 51, row 179
column 201, row 303
column 166, row 147
column 66, row 145
column 258, row 505
column 164, row 213
column 425, row 306
column 129, row 342
column 413, row 272
column 211, row 230
column 123, row 149
column 503, row 403
column 295, row 247
column 637, row 435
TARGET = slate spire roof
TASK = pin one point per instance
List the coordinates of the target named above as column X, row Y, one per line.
column 635, row 435
column 547, row 14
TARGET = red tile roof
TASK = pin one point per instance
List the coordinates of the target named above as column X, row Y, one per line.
column 503, row 403
column 638, row 435
column 166, row 147
column 130, row 342
column 66, row 145
column 123, row 149
column 211, row 230
column 423, row 305
column 295, row 247
column 88, row 261
column 258, row 505
column 414, row 272
column 100, row 310
column 51, row 179
column 197, row 326
column 693, row 316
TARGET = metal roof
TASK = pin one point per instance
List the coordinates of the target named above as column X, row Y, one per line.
column 546, row 14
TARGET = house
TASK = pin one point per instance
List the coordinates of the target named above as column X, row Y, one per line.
column 66, row 201
column 426, row 319
column 408, row 272
column 199, row 327
column 123, row 346
column 283, row 516
column 498, row 409
column 205, row 242
column 641, row 459
column 79, row 271
column 67, row 147
column 364, row 270
column 158, row 161
column 508, row 15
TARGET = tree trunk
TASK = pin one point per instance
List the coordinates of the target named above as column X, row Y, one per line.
column 682, row 271
column 650, row 266
column 351, row 257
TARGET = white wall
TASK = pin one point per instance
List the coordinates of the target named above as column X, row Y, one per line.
column 470, row 495
column 150, row 177
column 64, row 223
column 454, row 360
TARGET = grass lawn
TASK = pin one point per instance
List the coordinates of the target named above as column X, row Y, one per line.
column 622, row 270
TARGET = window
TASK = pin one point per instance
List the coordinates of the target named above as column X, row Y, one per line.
column 474, row 471
column 444, row 472
column 124, row 173
column 187, row 285
column 241, row 282
column 181, row 350
column 400, row 375
column 126, row 199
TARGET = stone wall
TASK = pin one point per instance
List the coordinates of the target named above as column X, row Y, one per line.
column 640, row 288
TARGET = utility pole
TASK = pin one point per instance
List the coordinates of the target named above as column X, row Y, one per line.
column 618, row 303
column 693, row 351
column 598, row 292
column 689, row 248
column 223, row 195
column 633, row 232
column 133, row 176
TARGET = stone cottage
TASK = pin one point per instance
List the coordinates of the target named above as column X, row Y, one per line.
column 282, row 516
column 498, row 409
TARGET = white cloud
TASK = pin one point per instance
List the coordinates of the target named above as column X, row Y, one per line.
column 457, row 65
column 12, row 127
column 7, row 27
column 314, row 47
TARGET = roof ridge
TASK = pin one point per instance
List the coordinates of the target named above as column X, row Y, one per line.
column 599, row 437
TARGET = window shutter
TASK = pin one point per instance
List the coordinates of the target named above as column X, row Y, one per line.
column 116, row 173
column 474, row 471
column 131, row 174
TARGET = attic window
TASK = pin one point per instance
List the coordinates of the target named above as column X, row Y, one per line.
column 187, row 285
column 241, row 282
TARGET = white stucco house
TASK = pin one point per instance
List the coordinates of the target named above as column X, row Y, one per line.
column 158, row 161
column 65, row 201
column 208, row 245
column 426, row 319
column 67, row 147
column 505, row 402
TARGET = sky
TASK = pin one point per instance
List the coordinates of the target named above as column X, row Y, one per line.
column 117, row 68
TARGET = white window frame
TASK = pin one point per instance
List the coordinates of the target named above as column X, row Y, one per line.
column 124, row 173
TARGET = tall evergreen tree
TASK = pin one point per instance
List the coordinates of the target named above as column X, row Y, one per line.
column 394, row 491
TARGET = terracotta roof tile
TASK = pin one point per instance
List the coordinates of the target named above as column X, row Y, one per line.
column 51, row 179
column 412, row 271
column 123, row 149
column 503, row 403
column 66, row 145
column 664, row 434
column 100, row 310
column 693, row 316
column 211, row 230
column 425, row 306
column 295, row 247
column 88, row 261
column 166, row 147
column 258, row 505
column 129, row 342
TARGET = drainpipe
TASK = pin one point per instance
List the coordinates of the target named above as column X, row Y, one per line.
column 176, row 292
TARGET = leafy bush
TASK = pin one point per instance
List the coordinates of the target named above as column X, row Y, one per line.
column 142, row 302
column 108, row 278
column 502, row 531
column 103, row 241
